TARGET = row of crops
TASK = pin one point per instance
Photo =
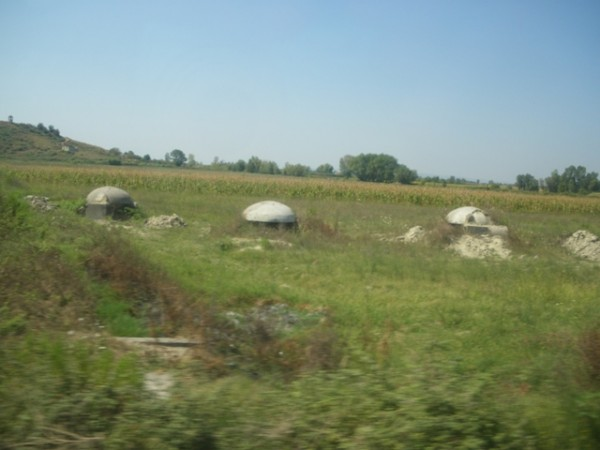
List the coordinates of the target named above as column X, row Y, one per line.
column 226, row 183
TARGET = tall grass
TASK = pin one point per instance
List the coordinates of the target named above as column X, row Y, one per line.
column 390, row 346
column 199, row 182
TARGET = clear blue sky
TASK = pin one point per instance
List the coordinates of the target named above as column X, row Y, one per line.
column 476, row 89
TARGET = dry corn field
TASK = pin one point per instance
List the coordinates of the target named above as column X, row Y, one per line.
column 227, row 183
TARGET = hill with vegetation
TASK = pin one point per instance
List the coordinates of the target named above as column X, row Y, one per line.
column 37, row 143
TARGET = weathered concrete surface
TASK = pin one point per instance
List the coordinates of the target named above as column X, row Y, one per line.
column 107, row 201
column 468, row 215
column 269, row 212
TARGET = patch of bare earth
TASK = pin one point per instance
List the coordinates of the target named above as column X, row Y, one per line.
column 480, row 247
column 584, row 244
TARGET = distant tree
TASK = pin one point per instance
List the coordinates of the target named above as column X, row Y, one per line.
column 10, row 119
column 404, row 175
column 573, row 180
column 372, row 167
column 129, row 154
column 191, row 160
column 553, row 181
column 591, row 182
column 527, row 182
column 219, row 165
column 114, row 152
column 53, row 131
column 41, row 127
column 253, row 165
column 147, row 158
column 346, row 165
column 167, row 157
column 239, row 166
column 269, row 167
column 178, row 157
column 325, row 169
column 296, row 170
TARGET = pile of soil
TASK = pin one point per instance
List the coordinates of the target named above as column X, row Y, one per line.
column 171, row 221
column 480, row 247
column 415, row 234
column 584, row 245
column 40, row 203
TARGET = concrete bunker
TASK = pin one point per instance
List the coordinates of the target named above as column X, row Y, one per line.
column 468, row 215
column 270, row 213
column 108, row 202
column 475, row 221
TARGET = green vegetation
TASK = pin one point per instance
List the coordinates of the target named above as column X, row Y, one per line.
column 377, row 168
column 573, row 180
column 340, row 339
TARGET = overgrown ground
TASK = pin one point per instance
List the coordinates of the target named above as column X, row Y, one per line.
column 338, row 338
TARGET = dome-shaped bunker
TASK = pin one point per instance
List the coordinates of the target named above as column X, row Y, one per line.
column 270, row 213
column 108, row 201
column 468, row 215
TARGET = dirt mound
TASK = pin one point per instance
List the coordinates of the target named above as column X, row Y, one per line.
column 584, row 245
column 480, row 247
column 40, row 203
column 415, row 234
column 171, row 221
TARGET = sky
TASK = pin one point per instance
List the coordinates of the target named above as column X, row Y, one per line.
column 476, row 89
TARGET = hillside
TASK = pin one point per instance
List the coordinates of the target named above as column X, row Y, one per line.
column 26, row 142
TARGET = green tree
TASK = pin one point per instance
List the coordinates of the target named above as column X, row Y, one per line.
column 404, row 175
column 269, row 167
column 324, row 169
column 296, row 170
column 553, row 181
column 178, row 157
column 573, row 180
column 253, row 165
column 527, row 182
column 374, row 167
column 346, row 165
column 239, row 166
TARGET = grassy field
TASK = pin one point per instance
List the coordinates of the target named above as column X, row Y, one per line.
column 386, row 345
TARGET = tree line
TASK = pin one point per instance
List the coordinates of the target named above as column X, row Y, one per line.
column 253, row 165
column 573, row 180
column 365, row 167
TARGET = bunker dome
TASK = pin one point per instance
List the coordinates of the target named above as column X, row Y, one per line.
column 270, row 212
column 468, row 215
column 108, row 201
